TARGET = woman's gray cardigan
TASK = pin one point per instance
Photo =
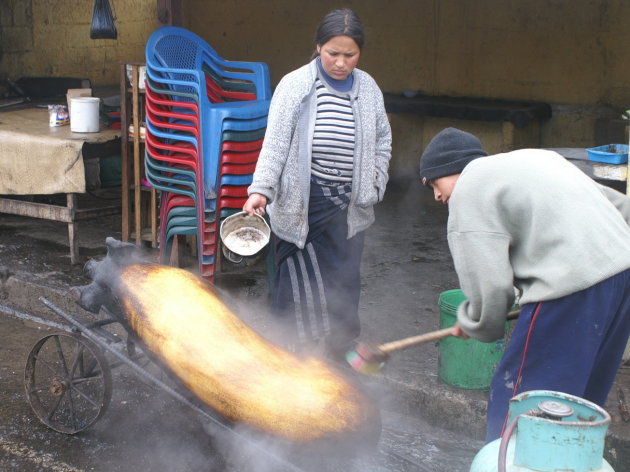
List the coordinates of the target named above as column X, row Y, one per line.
column 284, row 166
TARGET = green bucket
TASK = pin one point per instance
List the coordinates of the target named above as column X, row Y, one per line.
column 465, row 363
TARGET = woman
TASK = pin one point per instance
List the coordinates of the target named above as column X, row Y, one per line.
column 322, row 167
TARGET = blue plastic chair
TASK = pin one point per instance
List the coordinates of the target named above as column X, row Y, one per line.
column 174, row 137
column 228, row 179
column 243, row 136
column 180, row 222
column 170, row 210
column 215, row 119
column 171, row 47
column 197, row 81
column 183, row 67
column 171, row 184
column 181, row 83
column 161, row 88
column 241, row 116
column 191, row 230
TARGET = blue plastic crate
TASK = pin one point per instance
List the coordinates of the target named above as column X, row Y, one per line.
column 609, row 153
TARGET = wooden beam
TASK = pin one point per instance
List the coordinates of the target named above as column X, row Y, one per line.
column 37, row 210
column 169, row 12
column 71, row 202
column 88, row 213
column 124, row 152
column 69, row 214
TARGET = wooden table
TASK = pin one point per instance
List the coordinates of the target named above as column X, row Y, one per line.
column 36, row 159
column 594, row 169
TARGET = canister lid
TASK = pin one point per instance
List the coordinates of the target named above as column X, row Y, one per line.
column 555, row 409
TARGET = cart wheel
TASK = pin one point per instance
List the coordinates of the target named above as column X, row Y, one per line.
column 68, row 382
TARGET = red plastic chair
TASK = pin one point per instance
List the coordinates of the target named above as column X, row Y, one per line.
column 238, row 169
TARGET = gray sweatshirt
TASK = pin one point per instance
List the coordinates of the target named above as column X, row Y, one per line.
column 532, row 220
column 284, row 165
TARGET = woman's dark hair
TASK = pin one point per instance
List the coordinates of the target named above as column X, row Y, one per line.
column 340, row 23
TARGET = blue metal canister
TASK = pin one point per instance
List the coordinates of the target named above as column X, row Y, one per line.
column 549, row 431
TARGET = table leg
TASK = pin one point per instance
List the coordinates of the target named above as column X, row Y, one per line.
column 71, row 199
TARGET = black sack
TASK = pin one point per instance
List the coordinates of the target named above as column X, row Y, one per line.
column 103, row 26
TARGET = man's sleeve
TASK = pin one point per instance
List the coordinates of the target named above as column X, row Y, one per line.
column 621, row 201
column 485, row 275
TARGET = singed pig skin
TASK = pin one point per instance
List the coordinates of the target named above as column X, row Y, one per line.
column 227, row 365
column 232, row 368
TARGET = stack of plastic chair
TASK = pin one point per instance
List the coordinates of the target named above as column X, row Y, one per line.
column 205, row 122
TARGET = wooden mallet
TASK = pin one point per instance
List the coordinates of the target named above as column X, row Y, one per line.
column 368, row 357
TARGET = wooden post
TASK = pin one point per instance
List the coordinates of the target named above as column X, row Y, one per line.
column 124, row 120
column 71, row 201
column 169, row 12
column 136, row 154
column 154, row 219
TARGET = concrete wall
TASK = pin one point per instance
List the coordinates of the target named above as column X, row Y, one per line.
column 564, row 51
column 572, row 54
column 41, row 38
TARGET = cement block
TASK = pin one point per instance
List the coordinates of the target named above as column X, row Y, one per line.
column 69, row 13
column 16, row 13
column 16, row 39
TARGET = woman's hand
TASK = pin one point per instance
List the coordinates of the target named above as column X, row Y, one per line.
column 458, row 332
column 255, row 204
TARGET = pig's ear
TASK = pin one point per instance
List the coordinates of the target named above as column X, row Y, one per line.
column 90, row 269
column 116, row 245
column 111, row 242
column 121, row 253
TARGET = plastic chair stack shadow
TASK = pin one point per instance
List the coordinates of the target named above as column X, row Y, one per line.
column 205, row 122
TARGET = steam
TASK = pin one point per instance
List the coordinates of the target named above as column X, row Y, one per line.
column 241, row 449
column 256, row 453
column 104, row 274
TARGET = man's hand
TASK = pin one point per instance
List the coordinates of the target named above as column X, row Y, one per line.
column 458, row 332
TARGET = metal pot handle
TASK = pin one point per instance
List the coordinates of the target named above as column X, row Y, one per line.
column 231, row 256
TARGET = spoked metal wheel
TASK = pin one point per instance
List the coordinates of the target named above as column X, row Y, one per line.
column 68, row 382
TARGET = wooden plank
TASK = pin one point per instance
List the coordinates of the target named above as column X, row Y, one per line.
column 124, row 153
column 87, row 213
column 36, row 210
column 69, row 214
column 136, row 153
column 154, row 218
column 169, row 12
column 71, row 201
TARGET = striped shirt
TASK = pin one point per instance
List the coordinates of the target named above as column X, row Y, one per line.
column 333, row 138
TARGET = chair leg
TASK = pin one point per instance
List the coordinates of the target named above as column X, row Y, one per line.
column 193, row 245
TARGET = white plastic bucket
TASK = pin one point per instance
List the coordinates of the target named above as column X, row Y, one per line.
column 84, row 116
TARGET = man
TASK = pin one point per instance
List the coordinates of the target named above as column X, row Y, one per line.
column 530, row 220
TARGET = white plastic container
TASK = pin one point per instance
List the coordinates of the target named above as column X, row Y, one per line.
column 84, row 117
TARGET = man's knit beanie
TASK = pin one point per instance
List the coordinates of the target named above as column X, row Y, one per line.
column 448, row 153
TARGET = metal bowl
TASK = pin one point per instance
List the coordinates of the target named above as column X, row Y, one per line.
column 244, row 235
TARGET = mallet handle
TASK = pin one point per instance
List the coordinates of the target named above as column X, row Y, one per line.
column 432, row 336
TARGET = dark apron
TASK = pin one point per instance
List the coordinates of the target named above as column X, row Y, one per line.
column 316, row 289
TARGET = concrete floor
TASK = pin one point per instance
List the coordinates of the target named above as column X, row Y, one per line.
column 406, row 266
